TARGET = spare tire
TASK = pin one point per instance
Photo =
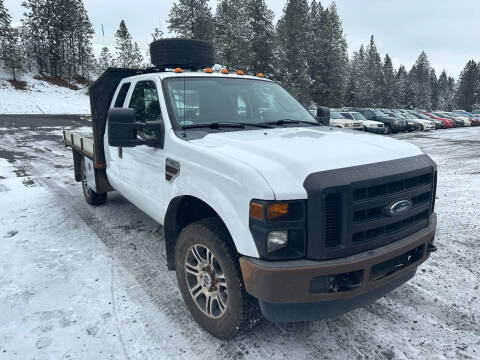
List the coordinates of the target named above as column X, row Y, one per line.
column 182, row 53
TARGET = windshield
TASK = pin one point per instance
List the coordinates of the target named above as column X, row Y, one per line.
column 378, row 113
column 336, row 115
column 358, row 116
column 199, row 101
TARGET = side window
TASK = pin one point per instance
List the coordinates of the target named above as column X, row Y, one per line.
column 122, row 94
column 348, row 116
column 145, row 101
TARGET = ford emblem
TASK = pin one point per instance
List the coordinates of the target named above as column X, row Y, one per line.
column 399, row 207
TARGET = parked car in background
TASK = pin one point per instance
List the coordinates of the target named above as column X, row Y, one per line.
column 376, row 127
column 392, row 124
column 475, row 120
column 410, row 124
column 449, row 123
column 458, row 122
column 340, row 121
column 465, row 119
column 438, row 123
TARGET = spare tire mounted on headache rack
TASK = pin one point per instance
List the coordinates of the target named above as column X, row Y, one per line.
column 182, row 53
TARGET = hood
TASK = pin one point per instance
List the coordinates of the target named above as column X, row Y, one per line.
column 286, row 156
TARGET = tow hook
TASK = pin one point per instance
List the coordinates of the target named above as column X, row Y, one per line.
column 431, row 248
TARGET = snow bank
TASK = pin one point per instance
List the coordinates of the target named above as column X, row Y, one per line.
column 41, row 97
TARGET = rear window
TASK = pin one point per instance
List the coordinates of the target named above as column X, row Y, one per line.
column 122, row 94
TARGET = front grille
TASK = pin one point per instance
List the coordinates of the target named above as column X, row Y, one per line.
column 350, row 212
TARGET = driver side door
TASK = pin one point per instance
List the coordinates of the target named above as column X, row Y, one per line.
column 143, row 167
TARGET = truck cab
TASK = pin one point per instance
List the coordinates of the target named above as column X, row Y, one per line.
column 264, row 210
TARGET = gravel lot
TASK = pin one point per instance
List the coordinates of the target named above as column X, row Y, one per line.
column 79, row 282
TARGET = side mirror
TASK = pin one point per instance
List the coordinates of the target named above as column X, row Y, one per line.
column 323, row 115
column 123, row 130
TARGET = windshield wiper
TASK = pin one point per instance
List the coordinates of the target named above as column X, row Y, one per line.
column 290, row 121
column 220, row 124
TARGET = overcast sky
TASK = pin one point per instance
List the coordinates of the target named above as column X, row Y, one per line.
column 448, row 30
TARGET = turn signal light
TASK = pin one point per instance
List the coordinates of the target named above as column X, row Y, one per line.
column 256, row 211
column 208, row 70
column 260, row 75
column 276, row 211
column 178, row 70
column 225, row 71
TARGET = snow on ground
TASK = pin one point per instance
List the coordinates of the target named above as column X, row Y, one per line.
column 41, row 97
column 91, row 283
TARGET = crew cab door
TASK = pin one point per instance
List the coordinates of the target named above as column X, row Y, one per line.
column 143, row 167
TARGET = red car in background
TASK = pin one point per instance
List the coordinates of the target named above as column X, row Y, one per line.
column 449, row 123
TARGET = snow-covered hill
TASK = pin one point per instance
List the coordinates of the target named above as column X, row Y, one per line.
column 41, row 97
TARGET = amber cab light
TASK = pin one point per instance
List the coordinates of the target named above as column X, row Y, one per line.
column 256, row 211
column 178, row 70
column 225, row 71
column 275, row 211
column 240, row 72
column 208, row 70
column 260, row 75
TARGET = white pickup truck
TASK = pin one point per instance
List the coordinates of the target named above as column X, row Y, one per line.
column 264, row 209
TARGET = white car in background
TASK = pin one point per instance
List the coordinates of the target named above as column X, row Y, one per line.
column 376, row 127
column 338, row 120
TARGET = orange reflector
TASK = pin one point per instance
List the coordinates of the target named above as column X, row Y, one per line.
column 208, row 70
column 260, row 75
column 240, row 72
column 256, row 211
column 276, row 210
column 225, row 71
column 178, row 70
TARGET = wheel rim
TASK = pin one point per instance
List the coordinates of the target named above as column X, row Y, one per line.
column 206, row 281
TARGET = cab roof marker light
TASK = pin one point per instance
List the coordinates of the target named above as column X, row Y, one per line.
column 240, row 72
column 178, row 70
column 225, row 71
column 260, row 75
column 209, row 70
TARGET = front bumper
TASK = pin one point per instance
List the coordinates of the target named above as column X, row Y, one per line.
column 284, row 288
column 376, row 130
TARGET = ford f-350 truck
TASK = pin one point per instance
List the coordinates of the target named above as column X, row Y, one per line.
column 265, row 211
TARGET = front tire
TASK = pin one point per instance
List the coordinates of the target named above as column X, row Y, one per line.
column 210, row 280
column 91, row 197
column 388, row 129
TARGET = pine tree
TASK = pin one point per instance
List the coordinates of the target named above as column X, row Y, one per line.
column 388, row 94
column 354, row 95
column 105, row 60
column 232, row 34
column 293, row 31
column 12, row 54
column 192, row 19
column 5, row 20
column 406, row 95
column 261, row 36
column 328, row 60
column 124, row 47
column 157, row 34
column 374, row 77
column 434, row 87
column 466, row 96
column 420, row 77
column 137, row 58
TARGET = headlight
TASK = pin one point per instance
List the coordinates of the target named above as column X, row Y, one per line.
column 371, row 125
column 276, row 240
column 279, row 228
column 411, row 124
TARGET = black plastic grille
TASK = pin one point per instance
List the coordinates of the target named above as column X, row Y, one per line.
column 349, row 209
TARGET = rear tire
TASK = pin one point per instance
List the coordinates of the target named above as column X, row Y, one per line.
column 183, row 53
column 91, row 196
column 208, row 273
